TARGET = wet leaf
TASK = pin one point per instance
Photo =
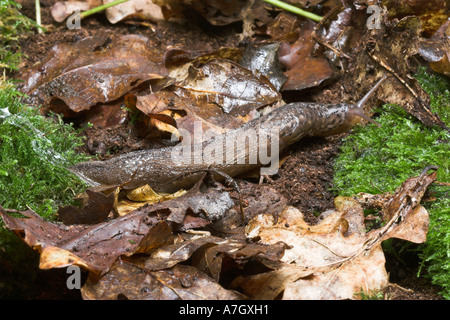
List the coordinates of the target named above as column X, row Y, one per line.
column 436, row 50
column 304, row 69
column 94, row 247
column 129, row 281
column 96, row 208
column 168, row 256
column 264, row 60
column 96, row 69
column 431, row 13
column 217, row 95
column 104, row 115
column 233, row 88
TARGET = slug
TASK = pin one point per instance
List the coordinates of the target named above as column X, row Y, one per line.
column 255, row 144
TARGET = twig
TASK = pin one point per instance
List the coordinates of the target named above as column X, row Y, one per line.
column 38, row 15
column 100, row 8
column 294, row 9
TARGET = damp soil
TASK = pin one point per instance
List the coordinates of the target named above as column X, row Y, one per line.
column 304, row 178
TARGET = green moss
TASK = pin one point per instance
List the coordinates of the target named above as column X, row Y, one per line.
column 378, row 160
column 13, row 27
column 34, row 152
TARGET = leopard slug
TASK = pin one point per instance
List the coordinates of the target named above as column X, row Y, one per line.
column 235, row 152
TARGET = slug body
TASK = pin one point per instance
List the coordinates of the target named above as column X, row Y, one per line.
column 255, row 144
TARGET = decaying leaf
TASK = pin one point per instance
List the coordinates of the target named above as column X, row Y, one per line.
column 380, row 51
column 217, row 95
column 436, row 50
column 305, row 70
column 96, row 69
column 142, row 196
column 233, row 88
column 96, row 208
column 96, row 247
column 134, row 9
column 432, row 13
column 264, row 60
column 130, row 281
column 336, row 258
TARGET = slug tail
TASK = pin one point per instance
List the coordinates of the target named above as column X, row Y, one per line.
column 82, row 171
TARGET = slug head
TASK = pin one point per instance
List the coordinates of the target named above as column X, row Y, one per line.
column 356, row 114
column 344, row 116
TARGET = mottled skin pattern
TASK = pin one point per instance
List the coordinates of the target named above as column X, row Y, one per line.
column 157, row 167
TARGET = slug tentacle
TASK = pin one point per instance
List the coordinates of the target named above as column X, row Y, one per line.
column 358, row 112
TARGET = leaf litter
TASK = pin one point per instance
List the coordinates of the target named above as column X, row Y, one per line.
column 335, row 259
column 181, row 246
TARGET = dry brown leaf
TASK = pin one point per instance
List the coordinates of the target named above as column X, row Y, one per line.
column 131, row 9
column 336, row 258
column 63, row 9
column 134, row 9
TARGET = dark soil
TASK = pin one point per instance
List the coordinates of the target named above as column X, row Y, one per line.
column 304, row 179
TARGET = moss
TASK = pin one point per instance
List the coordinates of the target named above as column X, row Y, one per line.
column 378, row 160
column 34, row 152
column 13, row 27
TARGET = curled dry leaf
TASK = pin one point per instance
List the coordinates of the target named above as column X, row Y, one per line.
column 134, row 9
column 336, row 258
column 96, row 69
column 63, row 9
column 131, row 9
